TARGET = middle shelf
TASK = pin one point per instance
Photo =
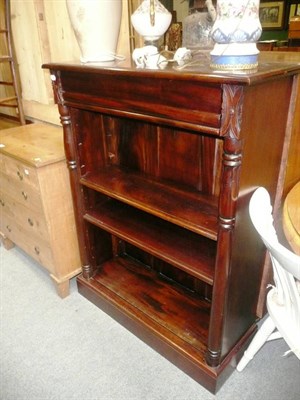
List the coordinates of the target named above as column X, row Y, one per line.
column 179, row 247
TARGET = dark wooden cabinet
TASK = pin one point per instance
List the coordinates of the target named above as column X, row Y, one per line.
column 162, row 165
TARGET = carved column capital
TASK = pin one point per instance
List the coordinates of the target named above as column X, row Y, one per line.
column 232, row 111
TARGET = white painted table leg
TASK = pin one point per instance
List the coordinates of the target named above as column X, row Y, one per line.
column 257, row 342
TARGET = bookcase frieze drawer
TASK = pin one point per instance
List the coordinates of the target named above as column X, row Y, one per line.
column 194, row 105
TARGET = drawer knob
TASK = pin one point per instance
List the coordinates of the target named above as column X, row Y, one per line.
column 24, row 194
column 20, row 175
column 8, row 228
column 30, row 221
column 37, row 250
column 2, row 203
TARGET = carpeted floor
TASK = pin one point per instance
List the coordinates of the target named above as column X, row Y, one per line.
column 53, row 349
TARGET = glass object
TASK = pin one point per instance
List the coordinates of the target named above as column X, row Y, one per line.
column 198, row 24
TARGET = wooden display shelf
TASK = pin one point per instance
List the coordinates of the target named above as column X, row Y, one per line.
column 183, row 249
column 186, row 208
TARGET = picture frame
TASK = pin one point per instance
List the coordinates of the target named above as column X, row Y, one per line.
column 271, row 14
column 292, row 10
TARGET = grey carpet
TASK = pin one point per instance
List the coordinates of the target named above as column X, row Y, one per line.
column 53, row 349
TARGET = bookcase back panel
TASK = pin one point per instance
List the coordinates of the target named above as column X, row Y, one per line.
column 180, row 156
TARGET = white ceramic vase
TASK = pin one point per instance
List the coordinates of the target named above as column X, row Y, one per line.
column 236, row 30
column 96, row 24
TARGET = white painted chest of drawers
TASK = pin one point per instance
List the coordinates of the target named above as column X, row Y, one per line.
column 35, row 200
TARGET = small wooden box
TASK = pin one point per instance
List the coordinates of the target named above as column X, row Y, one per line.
column 35, row 200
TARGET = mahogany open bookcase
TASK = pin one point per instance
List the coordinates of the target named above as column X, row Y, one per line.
column 162, row 165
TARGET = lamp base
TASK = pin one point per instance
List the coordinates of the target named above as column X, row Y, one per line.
column 234, row 56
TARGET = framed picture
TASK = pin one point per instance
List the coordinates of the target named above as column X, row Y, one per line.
column 292, row 10
column 271, row 14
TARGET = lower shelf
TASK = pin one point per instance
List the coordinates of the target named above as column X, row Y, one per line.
column 168, row 318
column 166, row 306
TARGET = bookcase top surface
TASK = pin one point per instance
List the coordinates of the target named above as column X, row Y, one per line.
column 197, row 72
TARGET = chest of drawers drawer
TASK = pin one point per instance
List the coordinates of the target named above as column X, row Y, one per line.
column 31, row 218
column 18, row 172
column 33, row 244
column 21, row 191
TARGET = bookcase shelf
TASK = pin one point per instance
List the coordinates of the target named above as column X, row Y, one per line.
column 167, row 306
column 183, row 249
column 189, row 209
